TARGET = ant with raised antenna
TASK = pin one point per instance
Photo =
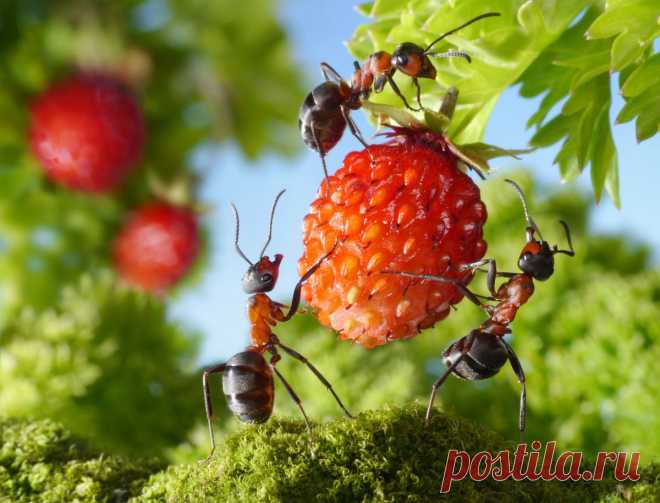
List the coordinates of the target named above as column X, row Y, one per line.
column 326, row 111
column 408, row 58
column 483, row 352
column 247, row 378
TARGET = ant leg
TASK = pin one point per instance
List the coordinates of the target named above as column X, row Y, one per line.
column 490, row 278
column 379, row 83
column 295, row 300
column 321, row 152
column 517, row 368
column 208, row 405
column 355, row 131
column 492, row 272
column 316, row 372
column 330, row 73
column 462, row 288
column 419, row 93
column 296, row 399
column 438, row 382
column 398, row 92
column 570, row 252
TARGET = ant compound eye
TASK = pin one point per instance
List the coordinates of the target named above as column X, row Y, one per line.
column 266, row 277
column 401, row 60
column 524, row 260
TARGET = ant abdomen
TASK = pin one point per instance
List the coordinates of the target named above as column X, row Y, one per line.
column 248, row 387
column 484, row 359
column 321, row 120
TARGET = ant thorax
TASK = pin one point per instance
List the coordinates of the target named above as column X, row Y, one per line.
column 263, row 315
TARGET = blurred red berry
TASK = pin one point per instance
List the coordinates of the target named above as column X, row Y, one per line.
column 156, row 246
column 411, row 210
column 87, row 132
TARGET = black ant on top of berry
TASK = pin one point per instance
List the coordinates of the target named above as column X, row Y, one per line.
column 247, row 378
column 483, row 352
column 325, row 113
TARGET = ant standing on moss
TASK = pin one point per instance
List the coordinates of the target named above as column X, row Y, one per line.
column 247, row 378
column 325, row 113
column 483, row 352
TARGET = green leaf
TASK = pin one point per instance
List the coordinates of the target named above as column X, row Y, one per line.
column 552, row 132
column 645, row 109
column 626, row 49
column 530, row 17
column 603, row 155
column 364, row 8
column 437, row 121
column 644, row 76
column 486, row 151
column 632, row 16
column 500, row 47
column 382, row 113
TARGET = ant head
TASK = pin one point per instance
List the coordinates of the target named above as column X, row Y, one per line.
column 536, row 258
column 411, row 59
column 261, row 276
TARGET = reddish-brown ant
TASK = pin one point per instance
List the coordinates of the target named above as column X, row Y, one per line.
column 483, row 352
column 247, row 378
column 408, row 58
column 325, row 113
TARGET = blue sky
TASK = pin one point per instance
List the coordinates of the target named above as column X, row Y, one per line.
column 216, row 305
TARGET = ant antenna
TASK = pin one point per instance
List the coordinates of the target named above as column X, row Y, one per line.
column 238, row 226
column 530, row 220
column 570, row 252
column 270, row 226
column 450, row 32
column 451, row 54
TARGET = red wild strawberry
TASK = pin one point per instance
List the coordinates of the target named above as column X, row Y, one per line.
column 411, row 210
column 87, row 132
column 156, row 246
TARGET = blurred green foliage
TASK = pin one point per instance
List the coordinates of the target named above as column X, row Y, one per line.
column 560, row 50
column 74, row 344
column 87, row 363
column 589, row 341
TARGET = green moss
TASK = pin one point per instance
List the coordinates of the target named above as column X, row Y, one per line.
column 41, row 461
column 382, row 456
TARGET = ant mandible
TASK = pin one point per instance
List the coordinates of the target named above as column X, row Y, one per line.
column 483, row 352
column 247, row 378
column 325, row 113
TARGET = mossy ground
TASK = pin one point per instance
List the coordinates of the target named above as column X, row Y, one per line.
column 382, row 456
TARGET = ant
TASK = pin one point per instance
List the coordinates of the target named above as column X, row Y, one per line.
column 408, row 58
column 247, row 376
column 325, row 113
column 483, row 352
